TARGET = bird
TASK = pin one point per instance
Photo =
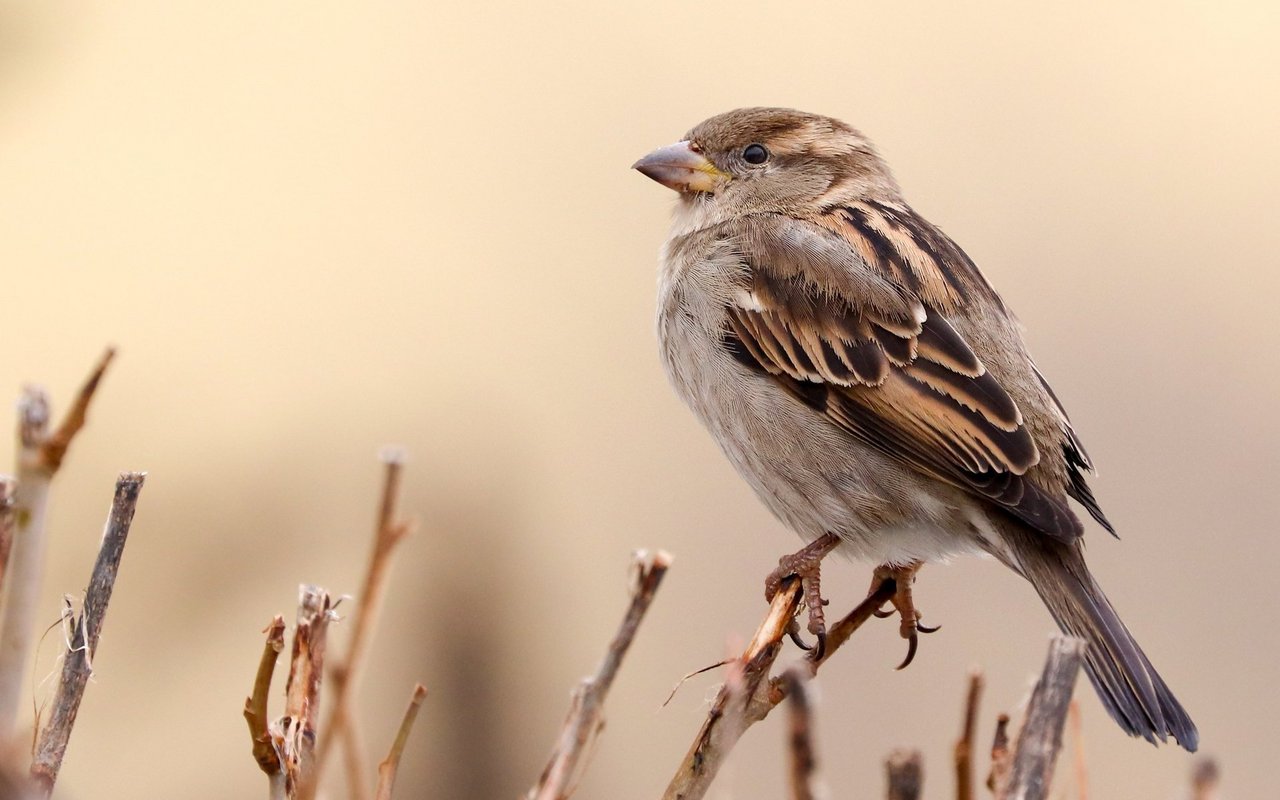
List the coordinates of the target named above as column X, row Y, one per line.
column 872, row 387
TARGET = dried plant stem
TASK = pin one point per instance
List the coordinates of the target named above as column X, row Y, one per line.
column 40, row 454
column 1080, row 769
column 800, row 739
column 1041, row 736
column 964, row 746
column 296, row 730
column 389, row 531
column 905, row 773
column 255, row 706
column 1001, row 759
column 1205, row 776
column 389, row 766
column 586, row 706
column 77, row 666
column 8, row 521
column 749, row 698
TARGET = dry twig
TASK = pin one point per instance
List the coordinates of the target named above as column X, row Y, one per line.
column 905, row 772
column 1040, row 738
column 1080, row 771
column 586, row 706
column 736, row 708
column 255, row 706
column 40, row 454
column 964, row 746
column 388, row 767
column 296, row 730
column 1001, row 759
column 800, row 739
column 8, row 521
column 77, row 665
column 342, row 728
column 1204, row 779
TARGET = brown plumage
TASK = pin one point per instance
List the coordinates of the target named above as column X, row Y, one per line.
column 865, row 378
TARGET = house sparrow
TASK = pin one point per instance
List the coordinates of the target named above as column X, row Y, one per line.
column 870, row 384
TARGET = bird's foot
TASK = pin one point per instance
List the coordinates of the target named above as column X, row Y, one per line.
column 805, row 565
column 903, row 604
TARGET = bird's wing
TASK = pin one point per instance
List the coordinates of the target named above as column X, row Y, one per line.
column 853, row 325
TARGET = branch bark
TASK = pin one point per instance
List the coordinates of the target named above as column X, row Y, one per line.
column 1041, row 736
column 255, row 706
column 905, row 772
column 1204, row 779
column 40, row 454
column 585, row 718
column 390, row 765
column 1001, row 759
column 389, row 531
column 741, row 703
column 77, row 666
column 800, row 740
column 296, row 730
column 964, row 746
column 8, row 521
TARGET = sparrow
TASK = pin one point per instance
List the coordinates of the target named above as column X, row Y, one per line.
column 872, row 387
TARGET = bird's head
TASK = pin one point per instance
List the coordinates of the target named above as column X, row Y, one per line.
column 756, row 160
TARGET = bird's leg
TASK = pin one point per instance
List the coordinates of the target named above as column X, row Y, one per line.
column 903, row 603
column 805, row 565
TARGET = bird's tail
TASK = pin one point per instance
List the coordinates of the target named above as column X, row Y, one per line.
column 1129, row 687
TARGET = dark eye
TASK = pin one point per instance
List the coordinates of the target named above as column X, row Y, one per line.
column 755, row 154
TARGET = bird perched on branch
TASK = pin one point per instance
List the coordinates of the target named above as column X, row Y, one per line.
column 872, row 387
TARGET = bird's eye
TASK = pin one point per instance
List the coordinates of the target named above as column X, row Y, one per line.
column 755, row 154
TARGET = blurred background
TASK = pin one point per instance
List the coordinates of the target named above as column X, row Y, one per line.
column 316, row 228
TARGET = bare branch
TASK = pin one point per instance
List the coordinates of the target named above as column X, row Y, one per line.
column 391, row 764
column 905, row 774
column 389, row 531
column 964, row 746
column 40, row 454
column 585, row 712
column 8, row 521
column 53, row 447
column 734, row 710
column 77, row 666
column 1001, row 759
column 296, row 730
column 255, row 706
column 800, row 741
column 1041, row 734
column 1077, row 750
column 1205, row 776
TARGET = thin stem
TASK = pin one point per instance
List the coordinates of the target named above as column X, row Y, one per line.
column 800, row 739
column 40, row 454
column 255, row 706
column 86, row 630
column 1041, row 736
column 964, row 746
column 8, row 521
column 389, row 766
column 741, row 703
column 904, row 771
column 587, row 705
column 296, row 730
column 389, row 531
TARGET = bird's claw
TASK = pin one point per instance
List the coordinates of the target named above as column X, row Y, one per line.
column 903, row 604
column 805, row 566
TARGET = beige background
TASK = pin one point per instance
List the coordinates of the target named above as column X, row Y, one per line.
column 314, row 228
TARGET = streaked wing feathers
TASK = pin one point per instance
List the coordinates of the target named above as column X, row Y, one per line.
column 895, row 373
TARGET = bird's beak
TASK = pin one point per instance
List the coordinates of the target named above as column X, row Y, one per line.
column 677, row 166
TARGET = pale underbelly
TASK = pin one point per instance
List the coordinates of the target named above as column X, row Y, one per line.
column 817, row 478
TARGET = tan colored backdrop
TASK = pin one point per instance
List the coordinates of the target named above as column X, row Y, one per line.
column 313, row 228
